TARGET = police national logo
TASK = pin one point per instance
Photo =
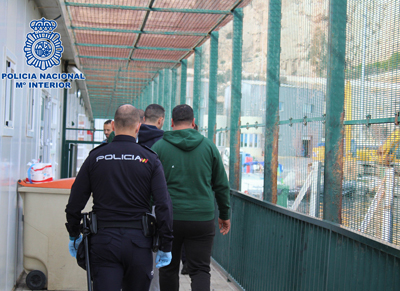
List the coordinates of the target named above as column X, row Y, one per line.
column 43, row 47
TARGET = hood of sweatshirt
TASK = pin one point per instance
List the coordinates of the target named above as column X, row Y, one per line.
column 149, row 133
column 184, row 139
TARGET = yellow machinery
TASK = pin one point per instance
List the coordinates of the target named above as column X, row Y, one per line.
column 385, row 155
column 318, row 152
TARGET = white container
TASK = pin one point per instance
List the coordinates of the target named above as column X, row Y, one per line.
column 45, row 238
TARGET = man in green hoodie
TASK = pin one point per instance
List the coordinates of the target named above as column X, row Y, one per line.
column 194, row 172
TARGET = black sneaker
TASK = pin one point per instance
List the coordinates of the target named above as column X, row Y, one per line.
column 184, row 270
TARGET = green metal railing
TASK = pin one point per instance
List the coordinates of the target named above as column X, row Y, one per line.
column 272, row 248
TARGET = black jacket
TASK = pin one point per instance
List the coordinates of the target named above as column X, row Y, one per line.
column 149, row 134
column 122, row 176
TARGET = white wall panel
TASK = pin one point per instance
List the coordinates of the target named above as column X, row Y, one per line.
column 17, row 147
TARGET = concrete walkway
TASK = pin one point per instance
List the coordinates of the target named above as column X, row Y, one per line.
column 218, row 282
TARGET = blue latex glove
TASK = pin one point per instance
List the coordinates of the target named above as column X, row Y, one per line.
column 73, row 245
column 163, row 259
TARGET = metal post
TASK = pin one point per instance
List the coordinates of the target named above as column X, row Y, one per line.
column 315, row 189
column 387, row 223
column 146, row 96
column 183, row 81
column 167, row 100
column 149, row 95
column 236, row 96
column 153, row 92
column 173, row 91
column 212, row 86
column 197, row 82
column 333, row 174
column 272, row 110
column 160, row 88
column 64, row 151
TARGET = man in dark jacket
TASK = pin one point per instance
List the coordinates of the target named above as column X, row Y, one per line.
column 150, row 131
column 194, row 172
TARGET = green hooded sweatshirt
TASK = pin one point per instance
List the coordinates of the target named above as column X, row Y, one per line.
column 193, row 169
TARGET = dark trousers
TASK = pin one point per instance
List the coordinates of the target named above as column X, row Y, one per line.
column 121, row 258
column 198, row 238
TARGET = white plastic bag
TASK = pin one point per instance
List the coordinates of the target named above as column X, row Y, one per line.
column 39, row 172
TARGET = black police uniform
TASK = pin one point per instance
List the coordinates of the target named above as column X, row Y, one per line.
column 122, row 176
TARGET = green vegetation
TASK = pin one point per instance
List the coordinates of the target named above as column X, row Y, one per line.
column 390, row 64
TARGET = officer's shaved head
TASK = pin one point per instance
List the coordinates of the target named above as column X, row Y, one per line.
column 126, row 117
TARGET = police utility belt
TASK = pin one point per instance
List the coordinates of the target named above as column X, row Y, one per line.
column 148, row 224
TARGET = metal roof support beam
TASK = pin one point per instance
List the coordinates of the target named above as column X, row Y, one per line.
column 221, row 19
column 138, row 31
column 127, row 59
column 129, row 82
column 197, row 83
column 167, row 99
column 107, row 91
column 149, row 9
column 153, row 60
column 101, row 76
column 130, row 47
column 183, row 81
column 212, row 86
column 272, row 103
column 123, row 86
column 99, row 81
column 108, row 96
column 333, row 173
column 160, row 87
column 134, row 78
column 115, row 70
column 173, row 89
column 236, row 96
column 120, row 88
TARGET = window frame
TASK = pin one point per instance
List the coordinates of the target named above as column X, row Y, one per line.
column 7, row 128
column 30, row 119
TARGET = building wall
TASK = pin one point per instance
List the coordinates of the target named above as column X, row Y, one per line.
column 21, row 143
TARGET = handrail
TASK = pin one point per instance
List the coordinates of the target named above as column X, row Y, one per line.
column 273, row 248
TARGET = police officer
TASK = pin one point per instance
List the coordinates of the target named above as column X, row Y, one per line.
column 122, row 176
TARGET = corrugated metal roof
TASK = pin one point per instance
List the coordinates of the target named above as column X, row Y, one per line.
column 122, row 44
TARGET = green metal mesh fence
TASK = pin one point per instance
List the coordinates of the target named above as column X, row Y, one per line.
column 371, row 154
column 370, row 185
column 190, row 80
column 302, row 102
column 371, row 140
column 223, row 103
column 202, row 121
